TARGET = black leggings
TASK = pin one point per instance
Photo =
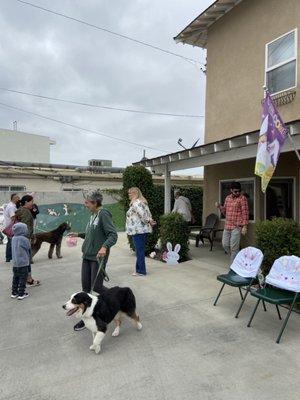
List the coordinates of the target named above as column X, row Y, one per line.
column 88, row 274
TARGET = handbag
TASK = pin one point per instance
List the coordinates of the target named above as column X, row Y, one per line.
column 8, row 230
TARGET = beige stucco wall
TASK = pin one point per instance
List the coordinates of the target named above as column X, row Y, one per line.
column 24, row 147
column 288, row 166
column 236, row 64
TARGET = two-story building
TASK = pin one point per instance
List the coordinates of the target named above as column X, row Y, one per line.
column 249, row 43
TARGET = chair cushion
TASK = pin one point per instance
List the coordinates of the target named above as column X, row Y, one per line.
column 274, row 295
column 234, row 279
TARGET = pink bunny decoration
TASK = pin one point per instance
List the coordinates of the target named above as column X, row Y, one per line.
column 247, row 262
column 285, row 273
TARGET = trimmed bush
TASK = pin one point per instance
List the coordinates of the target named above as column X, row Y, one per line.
column 139, row 176
column 174, row 229
column 276, row 238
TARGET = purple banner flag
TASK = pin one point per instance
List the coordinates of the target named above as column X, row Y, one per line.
column 272, row 136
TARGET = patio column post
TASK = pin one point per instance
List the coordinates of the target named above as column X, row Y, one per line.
column 167, row 175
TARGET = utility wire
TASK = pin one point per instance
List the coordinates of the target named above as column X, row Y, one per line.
column 83, row 129
column 99, row 106
column 195, row 62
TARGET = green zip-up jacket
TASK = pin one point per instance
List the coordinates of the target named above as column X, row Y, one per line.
column 24, row 215
column 100, row 232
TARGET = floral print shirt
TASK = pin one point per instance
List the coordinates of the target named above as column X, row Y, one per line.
column 138, row 218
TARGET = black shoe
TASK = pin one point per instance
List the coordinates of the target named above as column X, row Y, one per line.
column 79, row 326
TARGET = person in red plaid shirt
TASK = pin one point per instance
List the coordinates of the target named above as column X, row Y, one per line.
column 236, row 213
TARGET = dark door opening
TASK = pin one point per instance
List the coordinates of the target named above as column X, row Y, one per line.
column 280, row 198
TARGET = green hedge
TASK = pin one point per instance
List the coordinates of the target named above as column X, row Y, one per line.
column 276, row 238
column 174, row 229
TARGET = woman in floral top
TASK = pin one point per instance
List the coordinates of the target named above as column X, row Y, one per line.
column 139, row 224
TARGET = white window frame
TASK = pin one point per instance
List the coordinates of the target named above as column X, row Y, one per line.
column 283, row 62
column 251, row 221
column 293, row 178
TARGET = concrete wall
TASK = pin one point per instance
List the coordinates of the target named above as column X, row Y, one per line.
column 24, row 147
column 288, row 166
column 57, row 197
column 49, row 185
column 236, row 64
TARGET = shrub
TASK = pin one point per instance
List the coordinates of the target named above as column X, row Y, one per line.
column 174, row 229
column 276, row 238
column 140, row 177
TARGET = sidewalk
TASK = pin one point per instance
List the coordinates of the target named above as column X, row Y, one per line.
column 187, row 349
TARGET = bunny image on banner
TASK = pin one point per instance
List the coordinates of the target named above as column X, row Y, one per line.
column 285, row 273
column 247, row 262
column 172, row 256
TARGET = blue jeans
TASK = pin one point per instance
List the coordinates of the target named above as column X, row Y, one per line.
column 140, row 241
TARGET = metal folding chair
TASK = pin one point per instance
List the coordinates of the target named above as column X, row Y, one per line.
column 243, row 273
column 282, row 287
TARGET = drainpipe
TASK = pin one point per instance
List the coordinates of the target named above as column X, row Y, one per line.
column 167, row 176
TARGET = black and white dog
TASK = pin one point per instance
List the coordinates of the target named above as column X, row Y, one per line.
column 98, row 311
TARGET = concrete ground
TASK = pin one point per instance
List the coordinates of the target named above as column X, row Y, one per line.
column 187, row 349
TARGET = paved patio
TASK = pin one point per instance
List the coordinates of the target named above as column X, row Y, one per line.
column 187, row 350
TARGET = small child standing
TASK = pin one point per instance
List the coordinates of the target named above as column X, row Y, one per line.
column 21, row 255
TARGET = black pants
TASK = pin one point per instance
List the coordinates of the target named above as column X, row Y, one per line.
column 8, row 254
column 19, row 280
column 88, row 275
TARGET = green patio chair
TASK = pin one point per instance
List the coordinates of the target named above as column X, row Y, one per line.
column 282, row 286
column 243, row 273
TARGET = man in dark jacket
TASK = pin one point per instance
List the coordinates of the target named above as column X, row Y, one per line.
column 99, row 237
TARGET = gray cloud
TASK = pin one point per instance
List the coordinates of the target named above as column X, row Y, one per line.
column 46, row 54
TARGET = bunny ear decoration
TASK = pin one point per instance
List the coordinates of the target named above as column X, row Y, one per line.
column 169, row 246
column 177, row 248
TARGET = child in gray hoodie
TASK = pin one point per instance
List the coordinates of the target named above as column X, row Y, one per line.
column 21, row 255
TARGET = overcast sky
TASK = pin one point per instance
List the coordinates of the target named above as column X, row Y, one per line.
column 49, row 55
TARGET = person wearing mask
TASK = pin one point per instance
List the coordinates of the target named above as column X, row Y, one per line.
column 139, row 224
column 183, row 206
column 236, row 213
column 23, row 214
column 9, row 211
column 100, row 235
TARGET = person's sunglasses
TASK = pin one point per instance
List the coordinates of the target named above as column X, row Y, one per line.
column 236, row 191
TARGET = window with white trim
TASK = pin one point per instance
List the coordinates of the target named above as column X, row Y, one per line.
column 248, row 190
column 281, row 63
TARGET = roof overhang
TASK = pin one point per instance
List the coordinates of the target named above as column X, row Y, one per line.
column 232, row 149
column 196, row 32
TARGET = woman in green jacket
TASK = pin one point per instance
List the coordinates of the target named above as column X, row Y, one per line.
column 100, row 235
column 23, row 214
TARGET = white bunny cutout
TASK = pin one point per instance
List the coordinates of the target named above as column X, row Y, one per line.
column 172, row 256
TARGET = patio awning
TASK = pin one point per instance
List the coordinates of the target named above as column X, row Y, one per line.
column 196, row 32
column 232, row 149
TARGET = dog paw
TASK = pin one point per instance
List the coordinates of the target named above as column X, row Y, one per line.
column 116, row 332
column 92, row 347
column 59, row 257
column 139, row 326
column 97, row 349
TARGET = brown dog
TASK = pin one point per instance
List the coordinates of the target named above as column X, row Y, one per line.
column 53, row 237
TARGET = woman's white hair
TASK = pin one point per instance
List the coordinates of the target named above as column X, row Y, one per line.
column 93, row 195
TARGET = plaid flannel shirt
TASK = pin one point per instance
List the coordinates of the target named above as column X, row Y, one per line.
column 236, row 212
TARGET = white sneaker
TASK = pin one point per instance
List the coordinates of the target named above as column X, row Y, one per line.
column 23, row 297
column 14, row 296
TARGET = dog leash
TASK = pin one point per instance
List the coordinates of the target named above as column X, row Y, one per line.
column 101, row 270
